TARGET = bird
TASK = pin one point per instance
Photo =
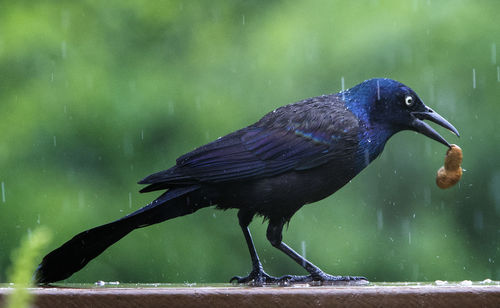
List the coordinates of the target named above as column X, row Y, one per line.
column 296, row 154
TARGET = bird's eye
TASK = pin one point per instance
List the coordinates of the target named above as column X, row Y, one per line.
column 409, row 101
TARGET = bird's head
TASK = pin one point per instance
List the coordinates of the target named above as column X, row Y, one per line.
column 390, row 105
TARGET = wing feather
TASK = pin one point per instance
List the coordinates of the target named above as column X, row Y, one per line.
column 283, row 140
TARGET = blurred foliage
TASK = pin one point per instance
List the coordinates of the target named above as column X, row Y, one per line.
column 95, row 95
column 24, row 259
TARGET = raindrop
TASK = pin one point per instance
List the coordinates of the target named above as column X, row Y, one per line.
column 432, row 91
column 343, row 86
column 415, row 5
column 198, row 102
column 38, row 219
column 498, row 73
column 132, row 85
column 427, row 196
column 65, row 19
column 494, row 53
column 128, row 147
column 81, row 199
column 303, row 245
column 55, row 141
column 427, row 148
column 473, row 78
column 171, row 109
column 378, row 90
column 100, row 283
column 405, row 226
column 142, row 134
column 495, row 192
column 243, row 19
column 130, row 200
column 380, row 219
column 415, row 269
column 63, row 49
column 478, row 220
column 52, row 77
column 3, row 192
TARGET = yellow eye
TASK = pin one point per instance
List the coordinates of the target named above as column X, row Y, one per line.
column 409, row 101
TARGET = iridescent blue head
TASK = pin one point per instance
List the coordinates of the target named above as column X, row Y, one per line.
column 387, row 107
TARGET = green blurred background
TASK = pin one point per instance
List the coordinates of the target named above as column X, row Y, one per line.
column 95, row 95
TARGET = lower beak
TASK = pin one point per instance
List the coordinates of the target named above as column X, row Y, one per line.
column 420, row 126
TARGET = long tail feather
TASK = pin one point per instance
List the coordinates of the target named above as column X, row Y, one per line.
column 73, row 255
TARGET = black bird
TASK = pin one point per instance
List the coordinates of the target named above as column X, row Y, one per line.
column 295, row 155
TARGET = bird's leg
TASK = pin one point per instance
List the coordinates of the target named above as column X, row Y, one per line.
column 274, row 235
column 257, row 276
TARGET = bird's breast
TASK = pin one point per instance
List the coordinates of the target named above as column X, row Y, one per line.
column 284, row 194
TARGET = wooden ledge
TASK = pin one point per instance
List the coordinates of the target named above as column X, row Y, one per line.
column 296, row 296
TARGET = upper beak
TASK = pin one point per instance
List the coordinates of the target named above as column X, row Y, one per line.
column 423, row 128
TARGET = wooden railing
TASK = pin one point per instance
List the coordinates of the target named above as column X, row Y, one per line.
column 427, row 295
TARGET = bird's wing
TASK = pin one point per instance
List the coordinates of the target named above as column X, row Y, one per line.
column 280, row 142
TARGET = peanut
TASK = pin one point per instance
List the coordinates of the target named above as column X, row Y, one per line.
column 451, row 172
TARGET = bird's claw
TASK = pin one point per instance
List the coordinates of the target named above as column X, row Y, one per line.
column 322, row 278
column 259, row 278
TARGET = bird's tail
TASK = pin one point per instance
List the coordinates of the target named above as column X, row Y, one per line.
column 73, row 255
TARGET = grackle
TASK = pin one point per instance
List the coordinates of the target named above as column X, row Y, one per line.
column 295, row 155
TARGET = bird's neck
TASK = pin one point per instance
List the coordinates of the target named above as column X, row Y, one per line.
column 373, row 136
column 372, row 142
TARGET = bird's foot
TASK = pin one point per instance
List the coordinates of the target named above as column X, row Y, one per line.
column 322, row 278
column 259, row 278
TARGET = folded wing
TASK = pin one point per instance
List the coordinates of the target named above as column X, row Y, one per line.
column 270, row 147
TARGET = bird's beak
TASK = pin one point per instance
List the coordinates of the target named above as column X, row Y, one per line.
column 423, row 128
